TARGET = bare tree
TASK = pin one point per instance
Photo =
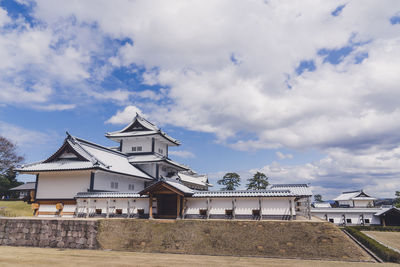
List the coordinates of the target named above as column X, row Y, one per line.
column 9, row 160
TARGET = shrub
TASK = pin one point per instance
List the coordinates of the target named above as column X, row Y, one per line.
column 378, row 228
column 386, row 254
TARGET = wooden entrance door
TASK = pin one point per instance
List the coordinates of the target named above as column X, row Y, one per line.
column 166, row 206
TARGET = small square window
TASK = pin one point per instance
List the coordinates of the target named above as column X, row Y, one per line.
column 348, row 220
column 366, row 220
column 229, row 213
column 139, row 148
column 131, row 187
column 203, row 212
column 331, row 220
column 140, row 211
column 133, row 148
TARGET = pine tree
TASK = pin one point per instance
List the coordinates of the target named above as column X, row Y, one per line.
column 318, row 198
column 259, row 181
column 397, row 199
column 231, row 181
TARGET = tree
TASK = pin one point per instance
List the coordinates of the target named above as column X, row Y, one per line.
column 397, row 199
column 9, row 160
column 259, row 181
column 318, row 198
column 231, row 180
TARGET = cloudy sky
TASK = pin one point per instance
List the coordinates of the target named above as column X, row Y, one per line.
column 304, row 91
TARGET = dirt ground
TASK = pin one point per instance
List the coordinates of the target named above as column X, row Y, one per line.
column 391, row 239
column 27, row 256
column 281, row 239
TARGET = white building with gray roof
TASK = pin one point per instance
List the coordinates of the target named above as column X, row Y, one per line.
column 138, row 179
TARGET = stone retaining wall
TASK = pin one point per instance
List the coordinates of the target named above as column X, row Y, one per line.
column 49, row 233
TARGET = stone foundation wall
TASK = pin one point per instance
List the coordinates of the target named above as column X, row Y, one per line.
column 49, row 233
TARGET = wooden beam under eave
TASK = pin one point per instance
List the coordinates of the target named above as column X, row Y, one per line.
column 150, row 206
column 178, row 206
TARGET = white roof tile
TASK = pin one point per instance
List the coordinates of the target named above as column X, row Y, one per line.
column 297, row 189
column 97, row 156
column 353, row 195
column 245, row 193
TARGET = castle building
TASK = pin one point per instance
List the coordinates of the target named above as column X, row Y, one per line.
column 356, row 208
column 137, row 179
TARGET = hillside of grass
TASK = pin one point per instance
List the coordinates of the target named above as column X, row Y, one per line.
column 304, row 240
column 15, row 209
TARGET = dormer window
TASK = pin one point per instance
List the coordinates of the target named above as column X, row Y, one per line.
column 136, row 148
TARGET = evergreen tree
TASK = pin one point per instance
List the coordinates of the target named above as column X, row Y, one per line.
column 397, row 199
column 231, row 180
column 318, row 198
column 9, row 160
column 259, row 181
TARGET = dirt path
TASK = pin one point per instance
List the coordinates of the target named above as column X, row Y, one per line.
column 26, row 256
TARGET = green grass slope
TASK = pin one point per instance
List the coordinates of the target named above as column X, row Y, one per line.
column 15, row 209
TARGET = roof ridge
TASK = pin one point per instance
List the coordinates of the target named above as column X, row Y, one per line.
column 101, row 147
column 92, row 157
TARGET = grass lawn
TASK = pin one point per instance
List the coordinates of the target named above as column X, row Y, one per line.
column 391, row 239
column 15, row 209
column 25, row 256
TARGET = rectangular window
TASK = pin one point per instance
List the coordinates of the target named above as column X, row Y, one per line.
column 331, row 220
column 133, row 148
column 160, row 151
column 366, row 220
column 131, row 187
column 348, row 220
column 139, row 148
column 114, row 185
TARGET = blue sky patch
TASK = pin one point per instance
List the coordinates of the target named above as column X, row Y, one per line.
column 395, row 19
column 359, row 58
column 338, row 10
column 305, row 65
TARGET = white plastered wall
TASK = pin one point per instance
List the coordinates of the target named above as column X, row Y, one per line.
column 129, row 142
column 118, row 203
column 158, row 144
column 102, row 181
column 194, row 205
column 244, row 206
column 62, row 185
column 276, row 206
column 355, row 217
column 363, row 203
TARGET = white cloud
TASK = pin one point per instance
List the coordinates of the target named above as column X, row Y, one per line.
column 125, row 116
column 374, row 170
column 4, row 18
column 53, row 107
column 283, row 156
column 182, row 154
column 256, row 101
column 21, row 136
